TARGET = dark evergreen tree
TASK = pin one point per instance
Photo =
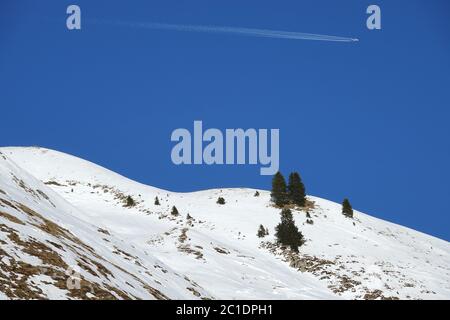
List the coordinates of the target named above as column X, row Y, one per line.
column 257, row 194
column 221, row 200
column 130, row 202
column 174, row 211
column 157, row 201
column 279, row 194
column 286, row 232
column 261, row 231
column 296, row 189
column 347, row 209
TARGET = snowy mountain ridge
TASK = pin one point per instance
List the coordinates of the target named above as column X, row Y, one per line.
column 60, row 214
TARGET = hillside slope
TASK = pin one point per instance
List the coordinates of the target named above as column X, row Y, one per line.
column 59, row 213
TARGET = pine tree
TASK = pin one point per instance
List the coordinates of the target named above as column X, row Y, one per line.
column 347, row 209
column 221, row 200
column 296, row 189
column 278, row 194
column 287, row 232
column 174, row 211
column 157, row 201
column 261, row 231
column 130, row 202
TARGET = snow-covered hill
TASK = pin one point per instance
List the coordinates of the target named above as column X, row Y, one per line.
column 60, row 215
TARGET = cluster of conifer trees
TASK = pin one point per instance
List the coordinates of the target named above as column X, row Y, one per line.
column 294, row 193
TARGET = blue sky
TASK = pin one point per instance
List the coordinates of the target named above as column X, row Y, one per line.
column 366, row 120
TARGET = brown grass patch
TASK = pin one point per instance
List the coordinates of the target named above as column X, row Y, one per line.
column 54, row 183
column 11, row 218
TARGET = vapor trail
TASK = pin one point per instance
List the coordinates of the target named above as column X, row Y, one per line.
column 234, row 30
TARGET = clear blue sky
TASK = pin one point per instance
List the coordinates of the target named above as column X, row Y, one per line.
column 366, row 120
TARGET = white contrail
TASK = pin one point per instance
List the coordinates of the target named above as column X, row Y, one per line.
column 233, row 30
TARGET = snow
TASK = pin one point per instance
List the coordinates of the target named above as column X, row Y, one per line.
column 217, row 255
